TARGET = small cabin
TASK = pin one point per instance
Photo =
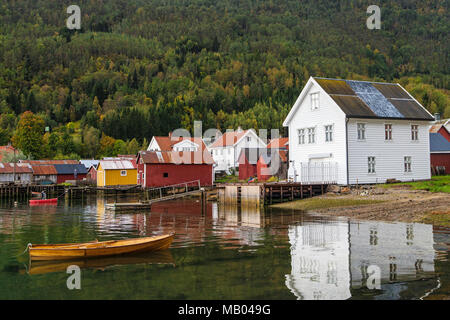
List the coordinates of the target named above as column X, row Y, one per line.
column 116, row 173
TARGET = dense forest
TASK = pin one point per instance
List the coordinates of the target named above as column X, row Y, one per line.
column 139, row 68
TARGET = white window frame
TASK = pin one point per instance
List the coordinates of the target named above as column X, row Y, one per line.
column 371, row 165
column 361, row 131
column 311, row 135
column 329, row 133
column 388, row 131
column 315, row 100
column 123, row 173
column 414, row 132
column 407, row 164
column 301, row 136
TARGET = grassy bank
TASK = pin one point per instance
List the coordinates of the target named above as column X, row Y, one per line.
column 436, row 184
column 323, row 203
column 437, row 218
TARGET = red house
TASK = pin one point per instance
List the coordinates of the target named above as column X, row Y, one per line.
column 439, row 154
column 248, row 160
column 70, row 172
column 92, row 174
column 164, row 168
column 272, row 163
column 441, row 129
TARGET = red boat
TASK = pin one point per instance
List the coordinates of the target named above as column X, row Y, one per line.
column 44, row 201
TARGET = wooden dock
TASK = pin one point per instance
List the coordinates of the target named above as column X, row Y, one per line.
column 268, row 193
column 165, row 193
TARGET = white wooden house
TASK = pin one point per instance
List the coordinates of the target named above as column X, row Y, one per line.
column 227, row 148
column 352, row 132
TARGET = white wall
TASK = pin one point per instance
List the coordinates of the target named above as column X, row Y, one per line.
column 327, row 114
column 398, row 249
column 319, row 261
column 389, row 155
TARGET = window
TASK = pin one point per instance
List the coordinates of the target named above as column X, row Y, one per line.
column 315, row 101
column 371, row 165
column 407, row 163
column 143, row 175
column 388, row 132
column 123, row 173
column 414, row 132
column 249, row 139
column 165, row 174
column 329, row 133
column 311, row 135
column 361, row 131
column 301, row 136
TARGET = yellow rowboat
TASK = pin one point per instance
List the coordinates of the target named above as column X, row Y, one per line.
column 98, row 249
column 102, row 263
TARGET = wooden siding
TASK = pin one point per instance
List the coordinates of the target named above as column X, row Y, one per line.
column 389, row 155
column 328, row 113
column 113, row 177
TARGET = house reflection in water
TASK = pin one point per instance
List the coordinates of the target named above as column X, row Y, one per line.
column 330, row 258
column 320, row 261
column 402, row 251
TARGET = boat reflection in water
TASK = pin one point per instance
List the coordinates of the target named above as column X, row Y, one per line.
column 157, row 257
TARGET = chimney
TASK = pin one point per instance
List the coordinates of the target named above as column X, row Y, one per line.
column 239, row 129
column 437, row 116
column 170, row 134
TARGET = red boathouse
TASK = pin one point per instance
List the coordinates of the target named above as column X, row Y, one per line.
column 164, row 168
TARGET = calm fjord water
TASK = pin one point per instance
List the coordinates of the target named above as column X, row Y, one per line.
column 222, row 253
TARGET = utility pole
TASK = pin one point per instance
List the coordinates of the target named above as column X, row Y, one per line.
column 14, row 161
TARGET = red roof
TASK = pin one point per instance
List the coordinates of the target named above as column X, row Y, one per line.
column 43, row 162
column 19, row 168
column 167, row 143
column 176, row 157
column 278, row 143
column 42, row 170
column 228, row 139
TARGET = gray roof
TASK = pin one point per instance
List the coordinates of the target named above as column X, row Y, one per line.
column 116, row 164
column 70, row 168
column 438, row 143
column 364, row 99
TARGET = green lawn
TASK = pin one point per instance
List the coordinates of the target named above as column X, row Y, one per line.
column 436, row 184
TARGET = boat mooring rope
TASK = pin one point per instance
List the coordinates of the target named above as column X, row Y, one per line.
column 26, row 249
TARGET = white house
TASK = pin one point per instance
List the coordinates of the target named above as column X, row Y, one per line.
column 352, row 132
column 226, row 149
column 176, row 144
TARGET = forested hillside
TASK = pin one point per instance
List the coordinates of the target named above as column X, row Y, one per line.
column 139, row 68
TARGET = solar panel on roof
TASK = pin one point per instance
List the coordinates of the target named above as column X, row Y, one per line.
column 374, row 99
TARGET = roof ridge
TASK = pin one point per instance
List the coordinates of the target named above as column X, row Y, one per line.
column 395, row 83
